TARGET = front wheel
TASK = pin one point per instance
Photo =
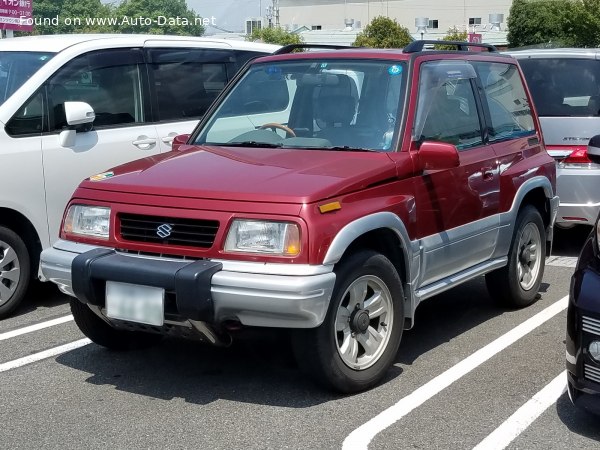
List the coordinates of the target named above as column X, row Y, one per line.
column 358, row 340
column 15, row 271
column 517, row 284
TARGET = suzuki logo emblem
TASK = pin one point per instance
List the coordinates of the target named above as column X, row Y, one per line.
column 164, row 230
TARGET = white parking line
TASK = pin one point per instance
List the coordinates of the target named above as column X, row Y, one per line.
column 362, row 436
column 562, row 261
column 36, row 327
column 43, row 355
column 502, row 436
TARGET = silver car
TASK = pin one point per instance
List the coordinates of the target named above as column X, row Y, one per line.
column 565, row 85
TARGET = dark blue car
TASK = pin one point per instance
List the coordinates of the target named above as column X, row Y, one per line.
column 583, row 319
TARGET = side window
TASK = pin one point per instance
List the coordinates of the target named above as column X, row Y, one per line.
column 186, row 81
column 29, row 119
column 109, row 81
column 510, row 112
column 447, row 110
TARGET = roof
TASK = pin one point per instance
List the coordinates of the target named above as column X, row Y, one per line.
column 554, row 52
column 59, row 42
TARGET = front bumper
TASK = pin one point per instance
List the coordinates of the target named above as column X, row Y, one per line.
column 583, row 327
column 256, row 294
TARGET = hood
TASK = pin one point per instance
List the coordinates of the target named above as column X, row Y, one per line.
column 248, row 174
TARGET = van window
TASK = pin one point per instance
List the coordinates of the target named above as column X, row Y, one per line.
column 110, row 81
column 28, row 119
column 564, row 87
column 510, row 112
column 186, row 81
column 17, row 67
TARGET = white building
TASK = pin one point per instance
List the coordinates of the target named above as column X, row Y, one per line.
column 472, row 15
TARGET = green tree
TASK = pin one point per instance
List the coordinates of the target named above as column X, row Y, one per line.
column 275, row 35
column 583, row 24
column 56, row 11
column 454, row 34
column 167, row 17
column 383, row 32
column 534, row 22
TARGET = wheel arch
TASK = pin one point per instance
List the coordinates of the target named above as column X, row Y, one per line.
column 22, row 226
column 385, row 233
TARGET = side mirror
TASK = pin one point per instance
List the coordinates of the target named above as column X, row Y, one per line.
column 437, row 156
column 179, row 140
column 78, row 113
column 593, row 150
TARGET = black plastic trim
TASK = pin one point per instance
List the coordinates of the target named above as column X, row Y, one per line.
column 190, row 281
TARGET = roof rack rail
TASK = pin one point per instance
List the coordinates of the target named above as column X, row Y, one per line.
column 463, row 46
column 291, row 47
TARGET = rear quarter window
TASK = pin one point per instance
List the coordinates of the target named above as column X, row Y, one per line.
column 509, row 109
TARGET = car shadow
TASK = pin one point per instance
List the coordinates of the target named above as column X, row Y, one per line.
column 569, row 241
column 258, row 371
column 447, row 315
column 577, row 420
column 40, row 295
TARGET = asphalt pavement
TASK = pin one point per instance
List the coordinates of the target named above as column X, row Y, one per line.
column 470, row 374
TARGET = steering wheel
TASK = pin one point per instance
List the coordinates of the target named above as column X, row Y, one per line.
column 278, row 126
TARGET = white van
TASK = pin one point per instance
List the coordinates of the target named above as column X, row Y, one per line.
column 75, row 105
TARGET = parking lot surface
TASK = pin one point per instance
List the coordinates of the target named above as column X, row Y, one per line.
column 470, row 374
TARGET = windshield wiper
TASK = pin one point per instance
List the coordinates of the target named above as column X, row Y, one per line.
column 341, row 148
column 252, row 144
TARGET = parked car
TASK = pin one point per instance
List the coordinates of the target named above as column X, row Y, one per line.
column 74, row 105
column 328, row 193
column 583, row 318
column 565, row 85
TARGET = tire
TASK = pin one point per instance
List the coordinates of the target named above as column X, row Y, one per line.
column 103, row 334
column 333, row 354
column 517, row 284
column 15, row 271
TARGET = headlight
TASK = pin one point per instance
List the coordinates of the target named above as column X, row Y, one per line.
column 85, row 220
column 254, row 236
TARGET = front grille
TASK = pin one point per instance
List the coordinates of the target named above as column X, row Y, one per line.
column 591, row 325
column 179, row 231
column 591, row 373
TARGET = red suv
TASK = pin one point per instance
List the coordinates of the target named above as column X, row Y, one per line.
column 326, row 192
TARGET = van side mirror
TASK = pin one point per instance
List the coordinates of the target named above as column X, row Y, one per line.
column 437, row 156
column 593, row 150
column 179, row 140
column 78, row 113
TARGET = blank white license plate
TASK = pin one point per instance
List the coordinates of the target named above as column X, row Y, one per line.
column 141, row 304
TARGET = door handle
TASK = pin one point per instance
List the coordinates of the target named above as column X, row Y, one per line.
column 487, row 173
column 144, row 142
column 168, row 139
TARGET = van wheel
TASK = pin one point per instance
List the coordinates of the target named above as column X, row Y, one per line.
column 358, row 340
column 103, row 334
column 15, row 271
column 517, row 284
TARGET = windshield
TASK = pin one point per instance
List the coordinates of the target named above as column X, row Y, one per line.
column 564, row 86
column 326, row 104
column 16, row 68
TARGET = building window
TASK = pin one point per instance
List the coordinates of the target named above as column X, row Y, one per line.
column 315, row 27
column 433, row 24
column 253, row 24
column 474, row 20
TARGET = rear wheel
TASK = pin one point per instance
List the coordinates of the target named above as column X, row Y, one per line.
column 517, row 284
column 357, row 342
column 15, row 271
column 103, row 334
